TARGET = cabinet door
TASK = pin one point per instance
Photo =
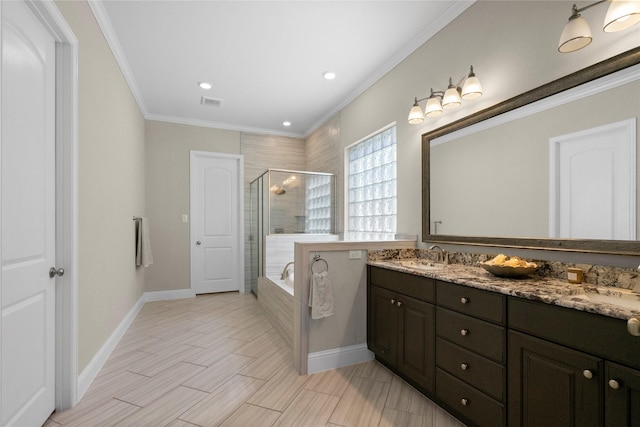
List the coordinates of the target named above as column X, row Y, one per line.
column 383, row 324
column 621, row 396
column 416, row 350
column 552, row 385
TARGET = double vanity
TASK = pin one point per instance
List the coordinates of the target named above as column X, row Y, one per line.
column 495, row 351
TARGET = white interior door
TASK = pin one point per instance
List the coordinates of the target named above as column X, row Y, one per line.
column 28, row 218
column 593, row 183
column 217, row 251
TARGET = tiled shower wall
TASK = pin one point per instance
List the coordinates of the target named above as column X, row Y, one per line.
column 262, row 152
column 323, row 155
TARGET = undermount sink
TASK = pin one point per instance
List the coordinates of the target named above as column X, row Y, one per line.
column 420, row 265
column 615, row 296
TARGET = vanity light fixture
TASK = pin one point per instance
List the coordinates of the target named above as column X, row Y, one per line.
column 576, row 34
column 438, row 101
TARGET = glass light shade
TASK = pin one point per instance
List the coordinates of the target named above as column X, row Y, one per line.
column 621, row 15
column 415, row 115
column 471, row 88
column 575, row 36
column 433, row 107
column 451, row 98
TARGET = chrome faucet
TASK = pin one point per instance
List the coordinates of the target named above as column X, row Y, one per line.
column 285, row 272
column 442, row 255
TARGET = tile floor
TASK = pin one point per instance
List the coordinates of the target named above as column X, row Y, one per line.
column 215, row 360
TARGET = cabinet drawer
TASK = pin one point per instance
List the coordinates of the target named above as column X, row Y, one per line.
column 422, row 288
column 470, row 403
column 480, row 372
column 474, row 302
column 593, row 333
column 476, row 335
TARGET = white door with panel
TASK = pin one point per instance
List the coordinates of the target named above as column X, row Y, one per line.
column 217, row 249
column 28, row 218
column 593, row 183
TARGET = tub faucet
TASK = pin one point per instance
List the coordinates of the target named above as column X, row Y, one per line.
column 442, row 255
column 285, row 272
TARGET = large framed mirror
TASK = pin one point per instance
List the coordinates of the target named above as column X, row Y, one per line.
column 467, row 164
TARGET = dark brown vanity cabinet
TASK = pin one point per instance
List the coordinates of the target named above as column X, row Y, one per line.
column 493, row 360
column 401, row 324
column 571, row 368
column 622, row 396
column 471, row 353
column 552, row 385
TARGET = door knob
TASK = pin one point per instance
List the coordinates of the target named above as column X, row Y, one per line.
column 198, row 243
column 53, row 272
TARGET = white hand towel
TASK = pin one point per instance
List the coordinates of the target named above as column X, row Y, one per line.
column 321, row 296
column 143, row 244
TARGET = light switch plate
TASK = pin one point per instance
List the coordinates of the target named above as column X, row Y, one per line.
column 355, row 254
column 185, row 218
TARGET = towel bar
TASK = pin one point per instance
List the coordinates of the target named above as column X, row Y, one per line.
column 318, row 258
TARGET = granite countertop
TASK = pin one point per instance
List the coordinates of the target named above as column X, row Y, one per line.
column 550, row 291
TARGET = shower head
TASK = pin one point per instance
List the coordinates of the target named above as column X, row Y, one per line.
column 278, row 190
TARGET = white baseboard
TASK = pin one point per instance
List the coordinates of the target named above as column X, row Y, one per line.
column 169, row 295
column 338, row 357
column 89, row 373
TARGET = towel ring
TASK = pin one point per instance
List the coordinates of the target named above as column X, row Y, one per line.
column 318, row 258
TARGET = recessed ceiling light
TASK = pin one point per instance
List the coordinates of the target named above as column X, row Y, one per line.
column 286, row 123
column 329, row 75
column 205, row 85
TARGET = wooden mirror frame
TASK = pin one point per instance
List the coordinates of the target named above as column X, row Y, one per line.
column 600, row 69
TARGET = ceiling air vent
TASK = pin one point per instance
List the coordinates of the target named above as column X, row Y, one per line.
column 211, row 102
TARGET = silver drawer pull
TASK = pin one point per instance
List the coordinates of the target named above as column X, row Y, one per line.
column 464, row 366
column 587, row 374
column 393, row 301
column 399, row 303
column 614, row 384
column 464, row 332
column 464, row 300
column 464, row 402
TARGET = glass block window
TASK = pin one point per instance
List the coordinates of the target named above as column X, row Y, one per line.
column 371, row 204
column 320, row 202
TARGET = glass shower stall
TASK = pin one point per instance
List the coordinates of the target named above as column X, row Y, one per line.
column 288, row 202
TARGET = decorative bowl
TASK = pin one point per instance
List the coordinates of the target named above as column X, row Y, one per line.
column 506, row 271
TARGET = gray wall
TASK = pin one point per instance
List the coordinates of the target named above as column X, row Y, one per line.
column 111, row 174
column 513, row 48
column 167, row 187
